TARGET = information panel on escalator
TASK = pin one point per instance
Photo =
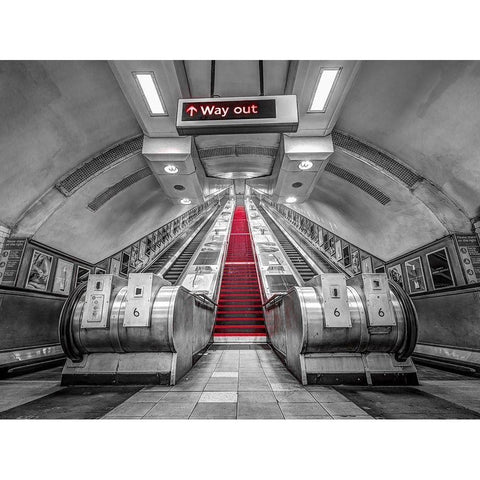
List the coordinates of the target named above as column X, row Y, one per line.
column 237, row 115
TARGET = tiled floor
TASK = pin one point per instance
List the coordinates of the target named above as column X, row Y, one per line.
column 241, row 382
column 234, row 382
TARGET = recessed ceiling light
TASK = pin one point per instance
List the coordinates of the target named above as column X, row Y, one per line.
column 171, row 169
column 324, row 88
column 291, row 200
column 185, row 201
column 148, row 87
column 305, row 165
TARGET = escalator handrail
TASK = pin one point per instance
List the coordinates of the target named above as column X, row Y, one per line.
column 65, row 324
column 275, row 299
column 205, row 297
column 411, row 323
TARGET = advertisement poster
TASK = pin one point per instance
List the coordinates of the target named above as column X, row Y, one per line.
column 134, row 255
column 124, row 263
column 440, row 269
column 356, row 262
column 82, row 275
column 39, row 273
column 331, row 246
column 338, row 250
column 346, row 255
column 395, row 273
column 115, row 266
column 367, row 266
column 10, row 260
column 469, row 250
column 63, row 277
column 415, row 276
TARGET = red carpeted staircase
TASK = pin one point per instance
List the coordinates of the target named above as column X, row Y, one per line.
column 240, row 312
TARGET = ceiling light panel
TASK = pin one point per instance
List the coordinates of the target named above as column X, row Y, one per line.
column 323, row 91
column 151, row 94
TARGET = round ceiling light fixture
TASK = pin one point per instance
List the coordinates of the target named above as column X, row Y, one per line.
column 297, row 184
column 291, row 200
column 185, row 201
column 179, row 187
column 171, row 169
column 305, row 165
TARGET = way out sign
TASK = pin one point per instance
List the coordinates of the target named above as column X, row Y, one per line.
column 237, row 115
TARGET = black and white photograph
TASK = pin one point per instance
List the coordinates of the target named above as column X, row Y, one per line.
column 40, row 269
column 239, row 239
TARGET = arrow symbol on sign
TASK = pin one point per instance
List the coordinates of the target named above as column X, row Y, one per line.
column 192, row 110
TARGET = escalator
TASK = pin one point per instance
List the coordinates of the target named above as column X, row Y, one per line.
column 174, row 272
column 240, row 311
column 305, row 270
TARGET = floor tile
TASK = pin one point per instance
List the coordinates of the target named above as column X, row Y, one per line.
column 130, row 409
column 188, row 397
column 225, row 375
column 281, row 387
column 219, row 397
column 294, row 396
column 215, row 410
column 221, row 387
column 254, row 387
column 171, row 410
column 189, row 387
column 157, row 388
column 147, row 396
column 267, row 410
column 327, row 396
column 304, row 410
column 256, row 397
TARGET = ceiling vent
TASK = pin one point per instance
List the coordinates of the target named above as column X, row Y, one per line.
column 110, row 192
column 358, row 182
column 237, row 151
column 359, row 149
column 75, row 179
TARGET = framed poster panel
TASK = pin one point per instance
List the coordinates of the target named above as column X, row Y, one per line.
column 325, row 240
column 39, row 272
column 124, row 263
column 395, row 274
column 63, row 277
column 356, row 262
column 367, row 266
column 82, row 275
column 11, row 260
column 338, row 250
column 347, row 261
column 415, row 277
column 440, row 270
column 135, row 255
column 331, row 246
column 115, row 266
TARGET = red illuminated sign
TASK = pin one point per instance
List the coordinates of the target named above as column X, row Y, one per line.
column 221, row 110
column 205, row 116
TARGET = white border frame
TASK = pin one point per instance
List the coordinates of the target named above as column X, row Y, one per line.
column 449, row 267
column 423, row 275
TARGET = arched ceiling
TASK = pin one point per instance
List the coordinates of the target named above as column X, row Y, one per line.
column 57, row 115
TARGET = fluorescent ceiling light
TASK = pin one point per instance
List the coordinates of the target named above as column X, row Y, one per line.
column 185, row 201
column 150, row 92
column 171, row 169
column 324, row 89
column 305, row 165
column 291, row 200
